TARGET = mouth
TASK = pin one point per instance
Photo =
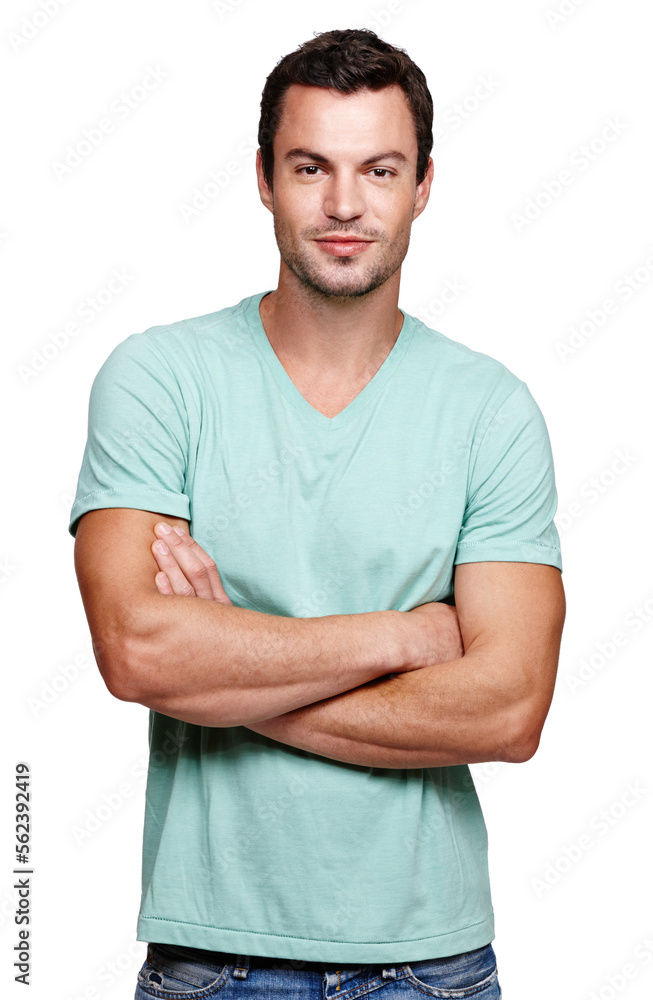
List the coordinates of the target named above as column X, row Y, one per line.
column 343, row 246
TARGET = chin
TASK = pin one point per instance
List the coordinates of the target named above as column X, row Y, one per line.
column 339, row 291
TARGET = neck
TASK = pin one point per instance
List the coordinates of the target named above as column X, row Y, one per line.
column 344, row 340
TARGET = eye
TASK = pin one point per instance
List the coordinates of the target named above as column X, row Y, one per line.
column 311, row 167
column 381, row 170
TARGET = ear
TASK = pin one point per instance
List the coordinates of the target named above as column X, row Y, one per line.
column 264, row 191
column 423, row 190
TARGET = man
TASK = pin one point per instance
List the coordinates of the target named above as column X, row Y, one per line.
column 315, row 538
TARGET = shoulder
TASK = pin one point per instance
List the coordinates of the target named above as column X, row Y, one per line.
column 191, row 331
column 463, row 372
column 166, row 344
column 455, row 354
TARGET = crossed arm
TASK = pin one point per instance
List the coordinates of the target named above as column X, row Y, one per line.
column 486, row 700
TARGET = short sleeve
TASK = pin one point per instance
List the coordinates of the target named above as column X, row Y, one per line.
column 137, row 446
column 512, row 498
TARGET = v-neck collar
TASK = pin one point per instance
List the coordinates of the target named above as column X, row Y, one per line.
column 292, row 393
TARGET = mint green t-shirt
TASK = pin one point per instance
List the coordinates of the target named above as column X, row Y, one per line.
column 253, row 846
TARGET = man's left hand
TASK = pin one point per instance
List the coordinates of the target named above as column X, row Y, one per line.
column 188, row 570
column 185, row 568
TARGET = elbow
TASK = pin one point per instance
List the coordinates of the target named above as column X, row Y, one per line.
column 130, row 650
column 122, row 686
column 522, row 749
column 523, row 720
column 137, row 673
column 524, row 739
column 117, row 663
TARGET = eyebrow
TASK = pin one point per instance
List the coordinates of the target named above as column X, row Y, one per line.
column 307, row 154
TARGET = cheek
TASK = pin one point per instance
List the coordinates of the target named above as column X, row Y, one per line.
column 294, row 217
column 391, row 213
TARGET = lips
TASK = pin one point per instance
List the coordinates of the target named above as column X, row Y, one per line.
column 340, row 246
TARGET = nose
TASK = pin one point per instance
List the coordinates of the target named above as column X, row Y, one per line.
column 343, row 196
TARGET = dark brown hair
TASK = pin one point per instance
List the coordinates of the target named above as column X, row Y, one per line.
column 349, row 60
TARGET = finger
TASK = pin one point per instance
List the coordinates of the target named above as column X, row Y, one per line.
column 219, row 593
column 163, row 584
column 183, row 560
column 169, row 565
column 196, row 564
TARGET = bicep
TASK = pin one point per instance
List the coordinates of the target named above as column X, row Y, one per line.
column 115, row 570
column 511, row 616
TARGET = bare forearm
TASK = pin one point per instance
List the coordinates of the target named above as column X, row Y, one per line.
column 218, row 665
column 183, row 649
column 447, row 714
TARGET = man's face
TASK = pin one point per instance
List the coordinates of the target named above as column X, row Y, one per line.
column 344, row 166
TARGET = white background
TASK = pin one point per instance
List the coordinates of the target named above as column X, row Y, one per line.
column 571, row 922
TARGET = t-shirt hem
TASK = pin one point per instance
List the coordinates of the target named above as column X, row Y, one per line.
column 162, row 501
column 163, row 931
column 531, row 552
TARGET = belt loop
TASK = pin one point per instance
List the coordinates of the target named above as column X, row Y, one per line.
column 390, row 973
column 242, row 967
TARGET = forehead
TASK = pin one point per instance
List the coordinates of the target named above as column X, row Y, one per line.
column 337, row 124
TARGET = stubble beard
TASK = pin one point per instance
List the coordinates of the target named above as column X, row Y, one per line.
column 340, row 277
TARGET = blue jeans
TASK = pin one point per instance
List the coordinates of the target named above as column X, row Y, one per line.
column 182, row 973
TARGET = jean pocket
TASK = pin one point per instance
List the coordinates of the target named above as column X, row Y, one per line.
column 471, row 974
column 174, row 973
